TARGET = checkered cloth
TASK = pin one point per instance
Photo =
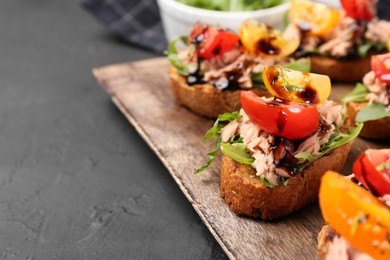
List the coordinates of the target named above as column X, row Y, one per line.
column 137, row 21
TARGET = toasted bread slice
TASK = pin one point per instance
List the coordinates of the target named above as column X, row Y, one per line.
column 204, row 99
column 323, row 241
column 342, row 71
column 376, row 129
column 247, row 195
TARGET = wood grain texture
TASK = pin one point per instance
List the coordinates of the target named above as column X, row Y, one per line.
column 141, row 92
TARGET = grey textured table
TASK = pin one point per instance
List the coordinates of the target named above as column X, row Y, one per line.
column 76, row 180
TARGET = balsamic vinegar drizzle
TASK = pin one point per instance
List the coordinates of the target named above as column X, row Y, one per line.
column 283, row 156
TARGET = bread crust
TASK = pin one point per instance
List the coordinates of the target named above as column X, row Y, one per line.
column 205, row 99
column 323, row 241
column 247, row 195
column 343, row 71
column 376, row 129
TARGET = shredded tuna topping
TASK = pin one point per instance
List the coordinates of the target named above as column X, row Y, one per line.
column 342, row 38
column 259, row 143
column 341, row 249
column 378, row 31
column 379, row 91
column 242, row 68
column 346, row 35
column 234, row 65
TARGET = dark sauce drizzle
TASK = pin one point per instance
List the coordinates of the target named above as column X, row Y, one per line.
column 266, row 46
column 195, row 77
column 283, row 156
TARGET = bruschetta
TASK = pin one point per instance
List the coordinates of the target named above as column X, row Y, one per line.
column 275, row 149
column 208, row 72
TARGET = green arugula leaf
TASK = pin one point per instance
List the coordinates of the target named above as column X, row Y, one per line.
column 358, row 94
column 221, row 121
column 216, row 129
column 300, row 65
column 211, row 155
column 266, row 182
column 359, row 219
column 290, row 87
column 269, row 185
column 385, row 166
column 257, row 80
column 237, row 152
column 303, row 65
column 284, row 182
column 364, row 48
column 173, row 57
column 336, row 140
column 372, row 111
column 306, row 156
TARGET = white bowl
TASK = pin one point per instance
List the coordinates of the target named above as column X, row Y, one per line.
column 178, row 18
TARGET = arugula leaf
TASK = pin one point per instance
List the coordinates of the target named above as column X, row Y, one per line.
column 336, row 140
column 221, row 121
column 300, row 65
column 385, row 166
column 237, row 152
column 373, row 111
column 173, row 57
column 359, row 219
column 266, row 182
column 211, row 155
column 269, row 185
column 303, row 65
column 284, row 182
column 216, row 129
column 358, row 94
column 257, row 80
column 365, row 47
column 306, row 156
column 291, row 87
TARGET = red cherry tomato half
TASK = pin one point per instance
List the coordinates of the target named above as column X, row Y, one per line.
column 372, row 169
column 289, row 120
column 359, row 9
column 380, row 64
column 212, row 42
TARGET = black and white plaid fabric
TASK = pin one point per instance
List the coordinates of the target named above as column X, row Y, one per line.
column 137, row 21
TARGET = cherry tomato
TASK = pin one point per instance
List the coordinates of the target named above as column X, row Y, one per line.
column 372, row 169
column 289, row 120
column 356, row 214
column 296, row 86
column 260, row 39
column 211, row 42
column 314, row 18
column 359, row 9
column 380, row 64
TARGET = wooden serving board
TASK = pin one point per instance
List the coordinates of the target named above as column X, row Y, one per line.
column 141, row 92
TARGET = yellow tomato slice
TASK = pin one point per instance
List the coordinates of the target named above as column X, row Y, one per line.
column 356, row 215
column 260, row 39
column 388, row 45
column 315, row 18
column 296, row 86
